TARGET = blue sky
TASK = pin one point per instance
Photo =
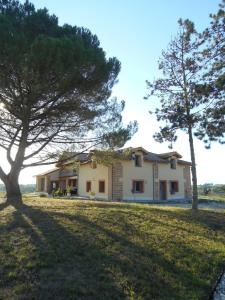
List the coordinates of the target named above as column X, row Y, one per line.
column 136, row 31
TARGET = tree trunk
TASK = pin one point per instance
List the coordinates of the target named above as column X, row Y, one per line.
column 13, row 193
column 193, row 171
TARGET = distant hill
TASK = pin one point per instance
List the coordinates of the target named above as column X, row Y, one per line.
column 25, row 188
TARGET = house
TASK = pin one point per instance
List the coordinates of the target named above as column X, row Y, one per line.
column 141, row 176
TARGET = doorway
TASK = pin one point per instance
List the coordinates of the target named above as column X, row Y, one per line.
column 163, row 190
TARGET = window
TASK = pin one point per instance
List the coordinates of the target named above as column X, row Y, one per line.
column 173, row 163
column 72, row 182
column 101, row 186
column 138, row 186
column 174, row 187
column 88, row 186
column 137, row 160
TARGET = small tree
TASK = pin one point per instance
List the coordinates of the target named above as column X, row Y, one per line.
column 181, row 105
column 55, row 84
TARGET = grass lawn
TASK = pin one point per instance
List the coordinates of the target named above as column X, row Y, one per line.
column 63, row 249
column 212, row 197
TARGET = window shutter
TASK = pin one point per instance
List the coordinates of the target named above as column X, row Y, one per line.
column 177, row 186
column 133, row 186
column 101, row 186
column 88, row 186
column 142, row 186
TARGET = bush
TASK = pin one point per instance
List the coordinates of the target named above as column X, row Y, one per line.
column 43, row 195
column 57, row 193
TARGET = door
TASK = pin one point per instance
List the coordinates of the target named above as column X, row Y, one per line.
column 73, row 184
column 163, row 190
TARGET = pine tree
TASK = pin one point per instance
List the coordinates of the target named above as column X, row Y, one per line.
column 55, row 87
column 180, row 105
column 212, row 127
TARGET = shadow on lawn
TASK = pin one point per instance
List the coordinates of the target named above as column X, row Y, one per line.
column 3, row 205
column 66, row 268
column 208, row 218
column 88, row 261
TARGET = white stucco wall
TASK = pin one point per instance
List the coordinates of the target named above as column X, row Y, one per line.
column 145, row 173
column 130, row 173
column 168, row 174
column 86, row 173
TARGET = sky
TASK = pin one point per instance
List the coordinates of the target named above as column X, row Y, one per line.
column 136, row 31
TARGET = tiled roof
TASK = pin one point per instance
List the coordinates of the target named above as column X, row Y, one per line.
column 169, row 154
column 148, row 156
column 184, row 162
column 71, row 156
column 48, row 172
column 154, row 157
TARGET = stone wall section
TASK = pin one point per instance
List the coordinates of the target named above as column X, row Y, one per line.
column 155, row 181
column 117, row 181
column 187, row 182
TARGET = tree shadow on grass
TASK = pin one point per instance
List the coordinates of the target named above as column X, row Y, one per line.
column 213, row 220
column 73, row 257
column 150, row 271
column 3, row 204
column 59, row 262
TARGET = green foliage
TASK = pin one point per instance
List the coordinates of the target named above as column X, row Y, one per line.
column 57, row 193
column 69, row 189
column 203, row 69
column 212, row 126
column 109, row 157
column 55, row 88
column 181, row 71
column 25, row 188
column 83, row 249
column 180, row 106
column 219, row 188
column 212, row 192
column 216, row 188
column 91, row 193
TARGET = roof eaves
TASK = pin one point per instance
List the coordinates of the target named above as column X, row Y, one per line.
column 184, row 162
column 47, row 172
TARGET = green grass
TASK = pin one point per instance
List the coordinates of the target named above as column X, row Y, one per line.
column 63, row 249
column 212, row 197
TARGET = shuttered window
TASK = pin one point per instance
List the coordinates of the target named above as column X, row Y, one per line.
column 88, row 186
column 101, row 186
column 174, row 187
column 138, row 186
column 137, row 160
column 173, row 163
